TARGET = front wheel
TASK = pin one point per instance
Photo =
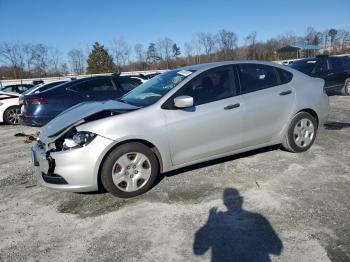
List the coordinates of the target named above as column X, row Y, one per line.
column 129, row 170
column 301, row 133
column 11, row 115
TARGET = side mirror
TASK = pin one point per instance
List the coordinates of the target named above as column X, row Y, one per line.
column 183, row 101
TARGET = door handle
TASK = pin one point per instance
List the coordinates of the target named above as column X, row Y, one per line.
column 229, row 107
column 284, row 93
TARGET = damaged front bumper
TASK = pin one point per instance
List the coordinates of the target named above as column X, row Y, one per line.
column 73, row 170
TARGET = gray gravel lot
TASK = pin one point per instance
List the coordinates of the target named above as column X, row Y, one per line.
column 277, row 205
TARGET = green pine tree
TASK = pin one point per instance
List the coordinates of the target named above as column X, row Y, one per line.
column 99, row 60
column 176, row 50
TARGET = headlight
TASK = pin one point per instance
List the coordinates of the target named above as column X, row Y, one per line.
column 78, row 139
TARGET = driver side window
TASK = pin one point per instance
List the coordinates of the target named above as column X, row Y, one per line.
column 210, row 86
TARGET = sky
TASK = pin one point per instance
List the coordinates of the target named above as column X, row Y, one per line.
column 77, row 24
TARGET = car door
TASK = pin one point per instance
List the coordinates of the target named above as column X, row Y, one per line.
column 268, row 100
column 213, row 125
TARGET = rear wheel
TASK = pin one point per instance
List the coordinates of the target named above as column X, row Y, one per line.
column 12, row 114
column 346, row 87
column 129, row 170
column 301, row 133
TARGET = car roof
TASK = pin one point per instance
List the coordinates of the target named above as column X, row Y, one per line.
column 206, row 66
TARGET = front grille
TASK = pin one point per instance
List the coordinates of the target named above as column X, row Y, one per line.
column 54, row 179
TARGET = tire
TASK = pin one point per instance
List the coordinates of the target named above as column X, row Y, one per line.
column 346, row 88
column 301, row 133
column 135, row 169
column 11, row 115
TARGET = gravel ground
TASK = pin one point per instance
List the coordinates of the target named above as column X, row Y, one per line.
column 261, row 205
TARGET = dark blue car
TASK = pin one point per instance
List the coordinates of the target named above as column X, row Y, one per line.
column 38, row 109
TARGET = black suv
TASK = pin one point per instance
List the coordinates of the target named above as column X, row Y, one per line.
column 335, row 70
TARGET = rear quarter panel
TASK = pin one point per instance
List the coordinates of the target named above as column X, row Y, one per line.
column 310, row 95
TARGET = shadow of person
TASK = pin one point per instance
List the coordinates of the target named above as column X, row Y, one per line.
column 236, row 235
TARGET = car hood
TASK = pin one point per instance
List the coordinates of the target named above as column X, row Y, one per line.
column 80, row 113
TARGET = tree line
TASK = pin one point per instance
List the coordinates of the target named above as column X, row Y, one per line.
column 24, row 60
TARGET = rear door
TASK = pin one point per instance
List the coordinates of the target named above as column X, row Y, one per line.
column 213, row 125
column 268, row 100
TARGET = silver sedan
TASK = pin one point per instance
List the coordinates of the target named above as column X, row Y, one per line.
column 179, row 118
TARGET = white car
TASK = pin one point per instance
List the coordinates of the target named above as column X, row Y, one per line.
column 9, row 108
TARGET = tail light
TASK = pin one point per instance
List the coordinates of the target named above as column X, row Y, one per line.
column 35, row 101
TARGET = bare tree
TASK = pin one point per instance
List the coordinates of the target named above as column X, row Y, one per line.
column 121, row 52
column 64, row 69
column 140, row 53
column 188, row 52
column 251, row 42
column 288, row 38
column 40, row 59
column 54, row 58
column 11, row 53
column 197, row 48
column 227, row 42
column 207, row 41
column 77, row 61
column 343, row 40
column 165, row 48
column 310, row 35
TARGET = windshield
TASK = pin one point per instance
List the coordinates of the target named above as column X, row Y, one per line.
column 305, row 66
column 151, row 91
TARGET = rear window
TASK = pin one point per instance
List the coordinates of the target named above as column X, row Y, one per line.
column 45, row 87
column 305, row 66
column 128, row 84
column 284, row 75
column 337, row 62
column 94, row 85
column 256, row 77
column 8, row 89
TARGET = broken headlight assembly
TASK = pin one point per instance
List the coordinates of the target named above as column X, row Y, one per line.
column 77, row 140
column 71, row 140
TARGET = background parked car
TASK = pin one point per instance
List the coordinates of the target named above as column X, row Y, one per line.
column 19, row 88
column 9, row 108
column 38, row 109
column 335, row 70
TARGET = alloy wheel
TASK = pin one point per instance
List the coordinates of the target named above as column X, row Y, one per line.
column 13, row 115
column 304, row 132
column 131, row 171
